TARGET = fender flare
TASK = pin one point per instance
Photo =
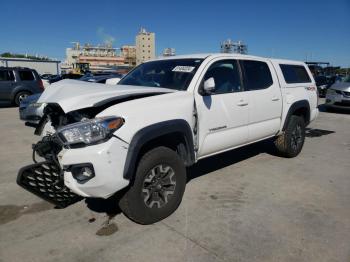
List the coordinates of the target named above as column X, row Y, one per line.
column 151, row 132
column 294, row 107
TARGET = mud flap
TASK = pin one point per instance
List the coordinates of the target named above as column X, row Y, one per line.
column 45, row 180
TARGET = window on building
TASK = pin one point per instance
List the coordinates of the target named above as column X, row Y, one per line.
column 226, row 76
column 256, row 75
column 295, row 74
column 26, row 75
column 6, row 75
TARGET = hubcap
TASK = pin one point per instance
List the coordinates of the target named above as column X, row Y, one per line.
column 296, row 137
column 22, row 97
column 159, row 186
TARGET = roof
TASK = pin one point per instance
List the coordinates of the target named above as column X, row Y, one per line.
column 28, row 60
column 233, row 55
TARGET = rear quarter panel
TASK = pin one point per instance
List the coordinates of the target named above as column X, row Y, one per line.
column 292, row 93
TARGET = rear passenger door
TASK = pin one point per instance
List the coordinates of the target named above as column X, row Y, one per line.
column 7, row 80
column 265, row 98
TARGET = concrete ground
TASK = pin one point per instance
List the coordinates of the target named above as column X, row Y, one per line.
column 244, row 205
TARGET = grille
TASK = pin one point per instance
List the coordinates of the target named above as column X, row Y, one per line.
column 45, row 180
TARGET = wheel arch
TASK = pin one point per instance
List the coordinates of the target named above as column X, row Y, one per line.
column 299, row 108
column 175, row 134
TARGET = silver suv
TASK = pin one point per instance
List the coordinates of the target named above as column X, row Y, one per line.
column 16, row 83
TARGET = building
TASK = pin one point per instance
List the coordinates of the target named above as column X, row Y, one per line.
column 129, row 54
column 169, row 51
column 41, row 66
column 145, row 46
column 99, row 57
column 230, row 46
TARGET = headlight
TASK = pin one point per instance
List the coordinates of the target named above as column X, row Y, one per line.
column 90, row 131
column 36, row 105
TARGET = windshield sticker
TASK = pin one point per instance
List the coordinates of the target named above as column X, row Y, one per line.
column 183, row 69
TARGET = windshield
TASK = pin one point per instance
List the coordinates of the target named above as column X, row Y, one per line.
column 173, row 74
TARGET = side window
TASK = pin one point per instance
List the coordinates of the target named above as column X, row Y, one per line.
column 26, row 75
column 6, row 75
column 226, row 76
column 295, row 74
column 256, row 74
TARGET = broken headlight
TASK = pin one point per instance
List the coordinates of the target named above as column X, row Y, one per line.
column 90, row 131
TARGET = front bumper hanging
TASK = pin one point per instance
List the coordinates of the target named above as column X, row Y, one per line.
column 45, row 180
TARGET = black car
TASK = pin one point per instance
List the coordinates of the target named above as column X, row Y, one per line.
column 99, row 78
column 16, row 83
column 322, row 85
column 64, row 76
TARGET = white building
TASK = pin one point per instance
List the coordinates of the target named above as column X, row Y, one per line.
column 41, row 66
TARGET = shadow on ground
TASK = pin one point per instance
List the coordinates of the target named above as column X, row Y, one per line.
column 317, row 132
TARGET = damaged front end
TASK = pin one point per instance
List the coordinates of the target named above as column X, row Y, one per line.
column 73, row 147
column 45, row 179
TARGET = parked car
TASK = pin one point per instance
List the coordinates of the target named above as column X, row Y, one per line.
column 138, row 137
column 338, row 95
column 322, row 85
column 64, row 76
column 16, row 83
column 31, row 111
column 101, row 78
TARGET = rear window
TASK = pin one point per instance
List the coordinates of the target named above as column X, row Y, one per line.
column 26, row 75
column 6, row 75
column 295, row 74
column 257, row 75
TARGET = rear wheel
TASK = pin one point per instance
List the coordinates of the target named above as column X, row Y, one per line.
column 20, row 96
column 157, row 190
column 290, row 143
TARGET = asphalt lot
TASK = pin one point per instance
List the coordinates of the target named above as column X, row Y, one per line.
column 244, row 205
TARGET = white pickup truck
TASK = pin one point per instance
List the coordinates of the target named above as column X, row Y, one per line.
column 138, row 137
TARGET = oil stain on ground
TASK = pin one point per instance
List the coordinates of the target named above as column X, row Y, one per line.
column 107, row 230
column 12, row 212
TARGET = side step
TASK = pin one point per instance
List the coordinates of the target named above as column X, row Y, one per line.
column 45, row 180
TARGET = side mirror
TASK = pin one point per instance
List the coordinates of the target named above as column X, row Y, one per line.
column 209, row 86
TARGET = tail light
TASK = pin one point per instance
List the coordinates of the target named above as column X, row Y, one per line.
column 41, row 85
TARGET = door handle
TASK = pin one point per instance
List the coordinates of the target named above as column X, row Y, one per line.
column 242, row 103
column 275, row 98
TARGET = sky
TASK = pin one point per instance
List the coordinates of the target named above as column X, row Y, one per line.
column 313, row 30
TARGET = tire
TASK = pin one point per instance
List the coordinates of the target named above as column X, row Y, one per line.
column 291, row 142
column 147, row 200
column 20, row 96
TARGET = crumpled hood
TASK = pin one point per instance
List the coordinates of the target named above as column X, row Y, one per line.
column 342, row 86
column 74, row 94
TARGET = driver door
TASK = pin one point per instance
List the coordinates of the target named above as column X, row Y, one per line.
column 222, row 114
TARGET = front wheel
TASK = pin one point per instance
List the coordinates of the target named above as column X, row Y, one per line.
column 290, row 143
column 158, row 187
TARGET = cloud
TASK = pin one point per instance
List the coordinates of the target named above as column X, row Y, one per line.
column 106, row 38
